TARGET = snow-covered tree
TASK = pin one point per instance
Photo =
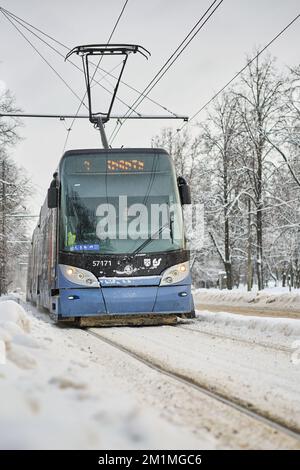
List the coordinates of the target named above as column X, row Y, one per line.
column 259, row 103
column 221, row 132
column 244, row 166
column 14, row 191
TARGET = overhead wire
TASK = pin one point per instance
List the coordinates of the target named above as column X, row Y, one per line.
column 110, row 37
column 14, row 19
column 156, row 78
column 73, row 63
column 170, row 61
column 8, row 15
column 249, row 62
column 43, row 58
column 103, row 70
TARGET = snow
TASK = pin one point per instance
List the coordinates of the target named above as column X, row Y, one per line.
column 62, row 388
column 277, row 332
column 274, row 298
column 56, row 393
column 13, row 313
column 247, row 360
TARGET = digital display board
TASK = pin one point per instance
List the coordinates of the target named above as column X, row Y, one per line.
column 113, row 162
column 125, row 165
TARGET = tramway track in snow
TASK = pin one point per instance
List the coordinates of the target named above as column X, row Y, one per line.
column 232, row 402
column 185, row 326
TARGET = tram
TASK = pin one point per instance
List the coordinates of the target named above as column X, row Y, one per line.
column 109, row 246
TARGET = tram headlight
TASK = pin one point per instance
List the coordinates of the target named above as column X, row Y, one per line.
column 79, row 276
column 175, row 274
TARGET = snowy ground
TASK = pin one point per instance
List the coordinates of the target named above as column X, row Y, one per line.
column 56, row 393
column 237, row 366
column 63, row 388
column 276, row 333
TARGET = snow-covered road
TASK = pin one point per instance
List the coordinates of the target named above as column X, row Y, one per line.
column 65, row 388
column 257, row 376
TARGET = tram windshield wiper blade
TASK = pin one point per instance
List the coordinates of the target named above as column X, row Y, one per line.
column 150, row 239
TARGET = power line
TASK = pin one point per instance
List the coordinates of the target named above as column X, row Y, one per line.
column 103, row 70
column 174, row 56
column 42, row 57
column 62, row 117
column 70, row 61
column 34, row 27
column 22, row 22
column 19, row 21
column 240, row 72
column 109, row 39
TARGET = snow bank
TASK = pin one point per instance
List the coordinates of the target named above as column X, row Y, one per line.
column 276, row 332
column 269, row 300
column 14, row 333
column 58, row 392
column 11, row 312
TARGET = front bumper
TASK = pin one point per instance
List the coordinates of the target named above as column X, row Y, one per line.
column 124, row 301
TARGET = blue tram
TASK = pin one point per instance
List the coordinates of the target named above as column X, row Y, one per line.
column 109, row 247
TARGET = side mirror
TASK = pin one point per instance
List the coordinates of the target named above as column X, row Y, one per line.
column 184, row 191
column 52, row 197
column 53, row 193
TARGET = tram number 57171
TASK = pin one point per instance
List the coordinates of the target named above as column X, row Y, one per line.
column 103, row 263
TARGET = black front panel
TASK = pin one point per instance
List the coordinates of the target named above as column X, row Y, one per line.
column 151, row 264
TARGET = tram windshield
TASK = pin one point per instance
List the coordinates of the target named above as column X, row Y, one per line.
column 119, row 203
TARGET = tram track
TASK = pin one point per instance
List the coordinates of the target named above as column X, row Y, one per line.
column 232, row 402
column 234, row 338
column 248, row 409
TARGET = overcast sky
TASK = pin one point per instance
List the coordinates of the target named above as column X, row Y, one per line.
column 213, row 57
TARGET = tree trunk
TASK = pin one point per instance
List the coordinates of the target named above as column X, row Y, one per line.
column 3, row 254
column 284, row 277
column 249, row 250
column 259, row 218
column 227, row 263
column 259, row 251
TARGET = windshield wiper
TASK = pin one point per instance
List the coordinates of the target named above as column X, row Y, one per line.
column 151, row 238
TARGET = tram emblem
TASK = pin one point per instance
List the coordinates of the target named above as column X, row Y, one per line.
column 154, row 263
column 128, row 269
